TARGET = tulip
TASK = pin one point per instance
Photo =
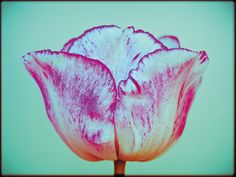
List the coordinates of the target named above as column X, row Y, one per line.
column 120, row 95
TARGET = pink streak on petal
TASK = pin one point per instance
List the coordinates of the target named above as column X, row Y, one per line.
column 136, row 56
column 187, row 94
column 80, row 99
column 188, row 99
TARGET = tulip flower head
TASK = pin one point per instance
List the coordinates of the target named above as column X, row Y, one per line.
column 118, row 94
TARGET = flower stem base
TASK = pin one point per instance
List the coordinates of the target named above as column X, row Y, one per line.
column 119, row 168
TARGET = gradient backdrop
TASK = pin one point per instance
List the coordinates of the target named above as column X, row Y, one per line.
column 30, row 144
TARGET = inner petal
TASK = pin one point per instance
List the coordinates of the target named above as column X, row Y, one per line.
column 170, row 41
column 120, row 50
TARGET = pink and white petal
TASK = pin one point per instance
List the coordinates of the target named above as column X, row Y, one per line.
column 120, row 50
column 149, row 112
column 170, row 41
column 89, row 41
column 187, row 94
column 80, row 98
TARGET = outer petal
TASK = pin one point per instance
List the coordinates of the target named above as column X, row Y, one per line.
column 80, row 98
column 170, row 41
column 155, row 100
column 120, row 50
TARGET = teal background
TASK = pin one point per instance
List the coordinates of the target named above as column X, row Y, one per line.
column 30, row 144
